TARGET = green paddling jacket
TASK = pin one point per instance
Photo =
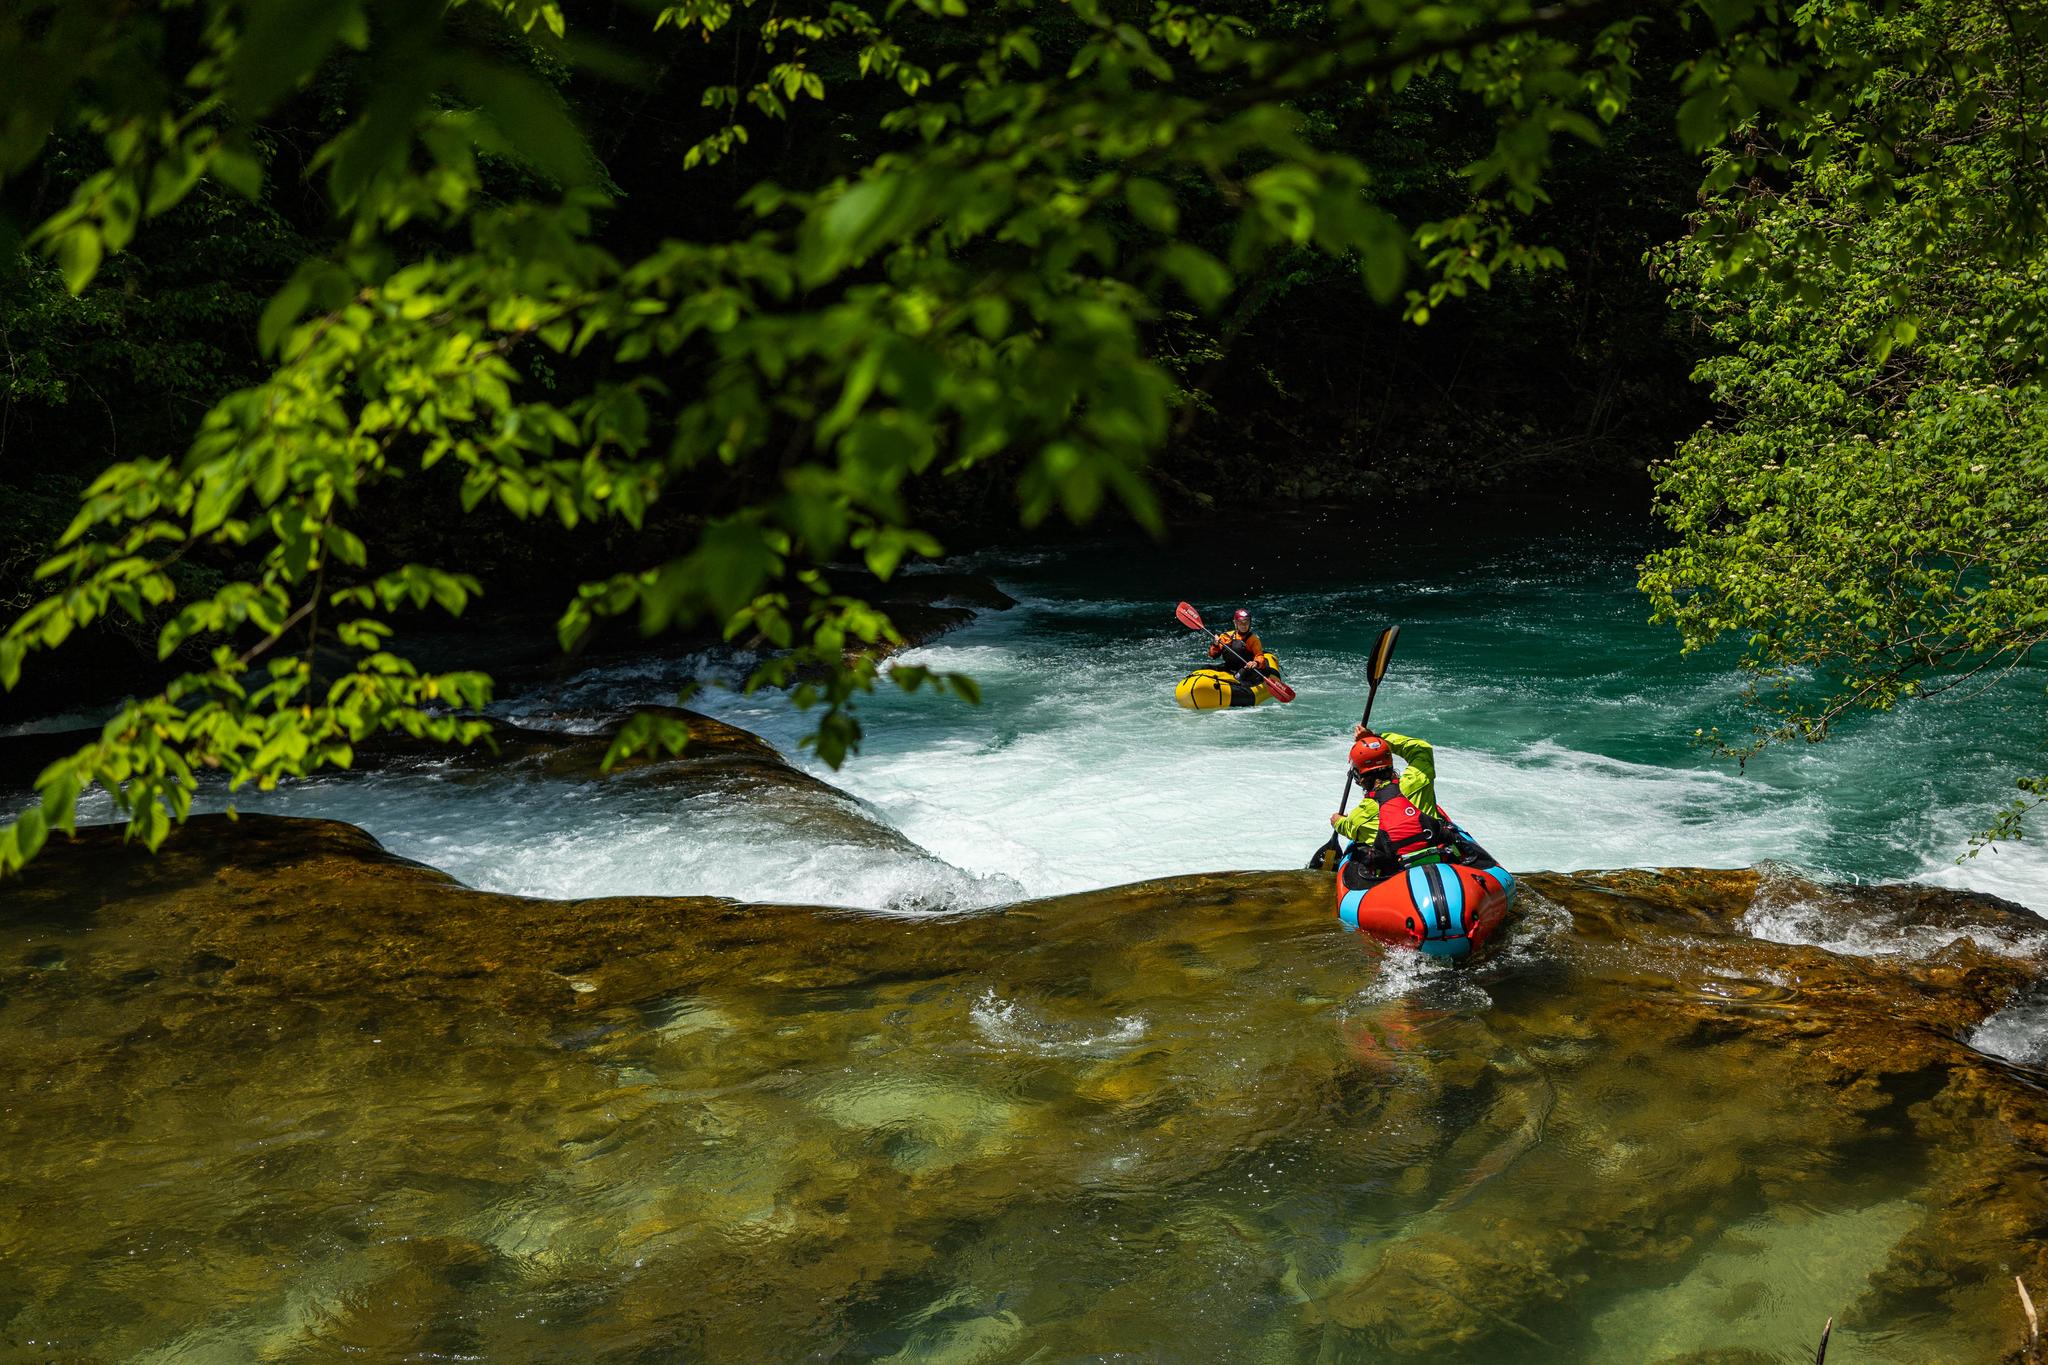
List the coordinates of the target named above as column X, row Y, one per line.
column 1418, row 784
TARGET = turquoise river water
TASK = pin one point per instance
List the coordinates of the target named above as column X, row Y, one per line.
column 1564, row 724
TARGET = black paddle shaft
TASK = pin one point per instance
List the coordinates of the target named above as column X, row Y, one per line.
column 1382, row 654
column 1251, row 664
column 1364, row 717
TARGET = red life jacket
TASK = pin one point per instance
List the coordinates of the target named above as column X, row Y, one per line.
column 1405, row 830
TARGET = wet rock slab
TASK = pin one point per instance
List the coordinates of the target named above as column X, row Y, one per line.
column 722, row 766
column 279, row 1095
column 722, row 763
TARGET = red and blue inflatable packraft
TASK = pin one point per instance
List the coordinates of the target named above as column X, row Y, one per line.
column 1443, row 909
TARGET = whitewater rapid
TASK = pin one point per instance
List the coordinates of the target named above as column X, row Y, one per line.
column 1564, row 725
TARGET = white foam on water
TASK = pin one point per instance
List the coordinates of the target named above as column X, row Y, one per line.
column 1791, row 909
column 1012, row 1025
column 2015, row 869
column 1405, row 976
column 1079, row 771
column 1092, row 795
column 58, row 724
column 2017, row 1033
column 1564, row 729
column 572, row 840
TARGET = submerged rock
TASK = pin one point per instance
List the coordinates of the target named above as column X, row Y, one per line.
column 320, row 1100
column 506, row 815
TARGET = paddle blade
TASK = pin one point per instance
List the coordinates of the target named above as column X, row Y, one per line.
column 1382, row 655
column 1279, row 691
column 1324, row 858
column 1190, row 618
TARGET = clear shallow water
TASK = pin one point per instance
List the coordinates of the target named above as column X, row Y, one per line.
column 1564, row 726
column 376, row 1121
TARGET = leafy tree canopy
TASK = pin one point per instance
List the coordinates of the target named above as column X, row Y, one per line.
column 976, row 286
column 1870, row 515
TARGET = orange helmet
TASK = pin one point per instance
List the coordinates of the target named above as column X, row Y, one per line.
column 1371, row 755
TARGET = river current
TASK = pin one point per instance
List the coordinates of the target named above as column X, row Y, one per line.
column 333, row 1108
column 1565, row 727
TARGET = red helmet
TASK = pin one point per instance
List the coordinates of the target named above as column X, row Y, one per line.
column 1242, row 617
column 1371, row 755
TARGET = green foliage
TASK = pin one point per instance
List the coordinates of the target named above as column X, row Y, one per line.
column 1869, row 516
column 981, row 283
column 790, row 44
column 126, row 366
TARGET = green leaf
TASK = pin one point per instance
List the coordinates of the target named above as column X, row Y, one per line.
column 1152, row 204
column 532, row 117
column 31, row 828
column 838, row 236
column 239, row 170
column 291, row 301
column 77, row 250
column 1383, row 256
column 1700, row 121
column 1205, row 278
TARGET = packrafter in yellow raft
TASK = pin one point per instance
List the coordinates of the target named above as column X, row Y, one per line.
column 1212, row 689
column 1244, row 674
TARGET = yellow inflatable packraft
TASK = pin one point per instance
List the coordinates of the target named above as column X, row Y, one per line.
column 1213, row 689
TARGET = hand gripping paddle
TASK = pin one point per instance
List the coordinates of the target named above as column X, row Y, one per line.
column 1192, row 619
column 1324, row 858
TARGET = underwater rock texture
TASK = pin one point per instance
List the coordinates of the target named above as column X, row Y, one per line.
column 276, row 1094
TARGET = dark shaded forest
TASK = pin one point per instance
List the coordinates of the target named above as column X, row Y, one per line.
column 1303, row 390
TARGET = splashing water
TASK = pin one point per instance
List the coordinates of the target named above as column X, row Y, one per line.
column 1564, row 726
column 2018, row 1033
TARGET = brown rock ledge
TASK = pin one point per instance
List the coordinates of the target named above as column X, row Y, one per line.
column 319, row 1100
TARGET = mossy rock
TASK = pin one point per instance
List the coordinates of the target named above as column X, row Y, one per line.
column 323, row 1101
